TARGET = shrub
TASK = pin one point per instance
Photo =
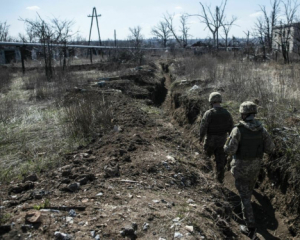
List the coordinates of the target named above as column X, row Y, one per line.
column 87, row 115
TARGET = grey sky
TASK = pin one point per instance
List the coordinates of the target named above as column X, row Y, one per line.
column 122, row 14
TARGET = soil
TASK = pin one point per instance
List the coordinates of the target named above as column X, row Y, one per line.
column 147, row 178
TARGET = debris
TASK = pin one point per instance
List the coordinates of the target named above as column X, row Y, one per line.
column 72, row 213
column 50, row 210
column 26, row 227
column 176, row 219
column 117, row 128
column 97, row 237
column 195, row 87
column 190, row 201
column 146, row 226
column 134, row 226
column 30, row 178
column 128, row 232
column 85, row 200
column 172, row 159
column 112, row 170
column 93, row 234
column 156, row 201
column 178, row 235
column 69, row 220
column 99, row 194
column 33, row 216
column 21, row 187
column 62, row 236
column 189, row 228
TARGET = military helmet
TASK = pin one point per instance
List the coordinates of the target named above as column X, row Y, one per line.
column 248, row 108
column 215, row 97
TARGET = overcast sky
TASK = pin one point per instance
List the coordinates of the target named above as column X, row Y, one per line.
column 122, row 14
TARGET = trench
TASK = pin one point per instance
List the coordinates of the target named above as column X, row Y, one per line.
column 272, row 221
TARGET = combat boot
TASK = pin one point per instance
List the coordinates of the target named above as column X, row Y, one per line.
column 250, row 232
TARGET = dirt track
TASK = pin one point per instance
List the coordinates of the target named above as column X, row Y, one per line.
column 148, row 173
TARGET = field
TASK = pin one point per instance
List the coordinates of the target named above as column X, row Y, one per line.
column 118, row 144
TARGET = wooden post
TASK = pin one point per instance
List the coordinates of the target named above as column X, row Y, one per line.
column 91, row 55
column 22, row 59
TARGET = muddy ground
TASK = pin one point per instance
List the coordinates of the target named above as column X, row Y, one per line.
column 145, row 178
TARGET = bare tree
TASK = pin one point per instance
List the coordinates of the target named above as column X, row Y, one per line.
column 28, row 36
column 136, row 36
column 286, row 29
column 184, row 29
column 4, row 27
column 181, row 38
column 213, row 19
column 55, row 31
column 227, row 25
column 268, row 22
column 162, row 32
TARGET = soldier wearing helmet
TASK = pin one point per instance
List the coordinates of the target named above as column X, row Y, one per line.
column 247, row 143
column 215, row 125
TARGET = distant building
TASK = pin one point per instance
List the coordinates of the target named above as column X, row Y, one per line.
column 9, row 55
column 288, row 35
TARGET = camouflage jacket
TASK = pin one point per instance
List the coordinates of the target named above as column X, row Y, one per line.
column 232, row 143
column 206, row 119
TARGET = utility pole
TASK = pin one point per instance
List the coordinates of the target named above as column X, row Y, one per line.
column 115, row 35
column 94, row 14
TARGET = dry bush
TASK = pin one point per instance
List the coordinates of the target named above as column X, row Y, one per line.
column 88, row 115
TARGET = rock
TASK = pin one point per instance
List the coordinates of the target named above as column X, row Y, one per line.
column 162, row 238
column 69, row 220
column 30, row 178
column 21, row 187
column 178, row 235
column 189, row 228
column 112, row 170
column 72, row 213
column 93, row 234
column 146, row 226
column 62, row 236
column 97, row 237
column 128, row 232
column 73, row 187
column 5, row 229
column 66, row 173
column 156, row 201
column 38, row 194
column 134, row 226
column 26, row 227
column 99, row 194
column 190, row 201
column 176, row 219
column 164, row 201
column 83, row 181
column 33, row 216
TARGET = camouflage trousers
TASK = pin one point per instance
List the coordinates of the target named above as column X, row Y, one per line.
column 214, row 146
column 245, row 173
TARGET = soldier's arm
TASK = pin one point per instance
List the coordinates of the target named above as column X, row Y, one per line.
column 204, row 125
column 268, row 142
column 232, row 142
column 231, row 123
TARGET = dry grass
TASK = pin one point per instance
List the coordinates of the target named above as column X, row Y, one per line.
column 34, row 133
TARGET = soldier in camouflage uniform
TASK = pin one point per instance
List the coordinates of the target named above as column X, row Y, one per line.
column 247, row 143
column 215, row 125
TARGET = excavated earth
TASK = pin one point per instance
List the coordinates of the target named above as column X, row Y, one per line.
column 145, row 178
